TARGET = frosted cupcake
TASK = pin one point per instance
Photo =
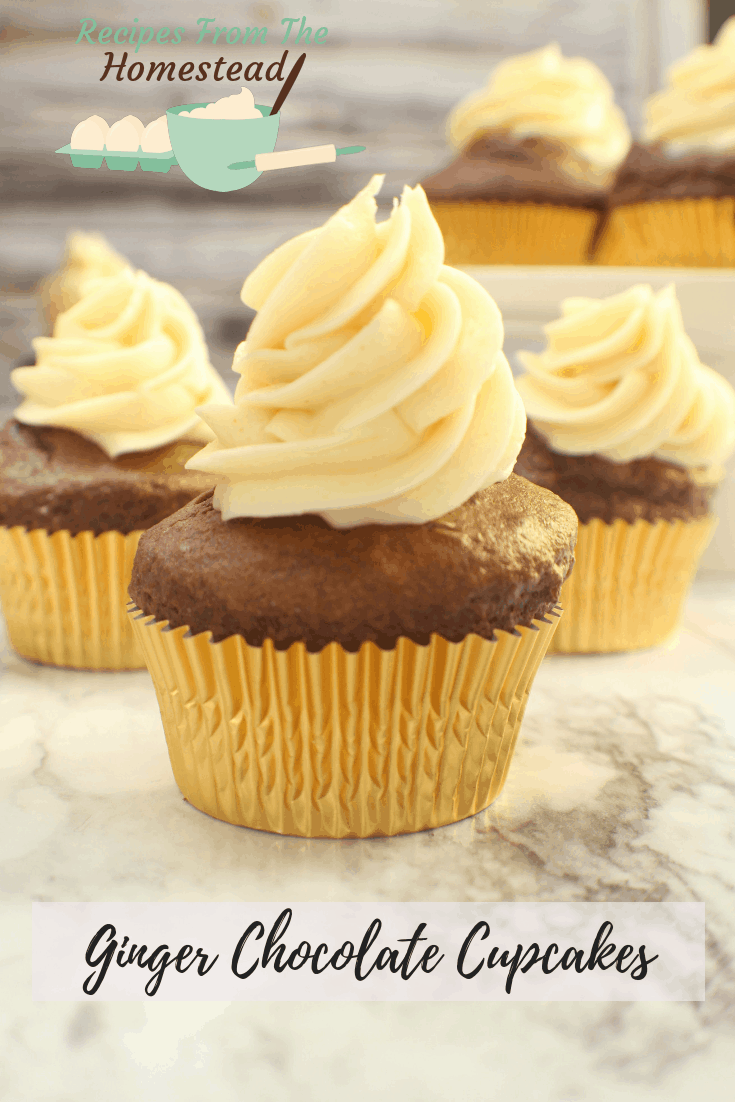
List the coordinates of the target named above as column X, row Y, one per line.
column 537, row 150
column 674, row 200
column 94, row 455
column 87, row 257
column 355, row 616
column 629, row 428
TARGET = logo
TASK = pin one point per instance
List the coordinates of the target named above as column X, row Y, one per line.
column 221, row 146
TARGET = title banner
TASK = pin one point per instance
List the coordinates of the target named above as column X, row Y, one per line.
column 391, row 952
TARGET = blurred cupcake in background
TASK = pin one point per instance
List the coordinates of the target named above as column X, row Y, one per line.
column 674, row 199
column 87, row 257
column 537, row 150
column 631, row 429
column 94, row 455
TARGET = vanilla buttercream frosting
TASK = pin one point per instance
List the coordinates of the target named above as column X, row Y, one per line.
column 87, row 257
column 543, row 94
column 373, row 388
column 696, row 112
column 126, row 367
column 620, row 378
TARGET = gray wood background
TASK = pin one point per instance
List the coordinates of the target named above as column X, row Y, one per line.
column 386, row 78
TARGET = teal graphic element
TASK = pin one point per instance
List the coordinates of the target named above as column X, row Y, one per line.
column 117, row 161
column 155, row 162
column 205, row 148
column 218, row 154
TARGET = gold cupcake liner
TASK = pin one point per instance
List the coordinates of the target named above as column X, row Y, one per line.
column 338, row 745
column 64, row 597
column 629, row 584
column 688, row 233
column 514, row 233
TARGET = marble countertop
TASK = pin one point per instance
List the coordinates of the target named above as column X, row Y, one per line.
column 621, row 789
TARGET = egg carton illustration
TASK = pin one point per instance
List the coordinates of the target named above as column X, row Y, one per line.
column 119, row 160
column 123, row 146
column 221, row 146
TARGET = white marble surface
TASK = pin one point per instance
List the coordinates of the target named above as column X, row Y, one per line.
column 621, row 789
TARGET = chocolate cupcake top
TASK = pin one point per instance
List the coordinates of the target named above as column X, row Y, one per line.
column 543, row 94
column 649, row 175
column 620, row 379
column 595, row 487
column 696, row 112
column 126, row 368
column 364, row 487
column 497, row 561
column 373, row 386
column 56, row 480
column 688, row 141
column 545, row 129
column 504, row 170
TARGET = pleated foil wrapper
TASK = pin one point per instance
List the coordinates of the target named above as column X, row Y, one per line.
column 514, row 233
column 678, row 233
column 629, row 584
column 64, row 597
column 341, row 745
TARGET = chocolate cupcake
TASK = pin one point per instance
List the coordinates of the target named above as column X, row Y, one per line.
column 67, row 483
column 537, row 151
column 673, row 203
column 601, row 489
column 95, row 455
column 631, row 430
column 355, row 615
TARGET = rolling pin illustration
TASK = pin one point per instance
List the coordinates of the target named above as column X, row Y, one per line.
column 294, row 158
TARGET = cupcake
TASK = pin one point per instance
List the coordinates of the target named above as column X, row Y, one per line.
column 87, row 257
column 94, row 455
column 343, row 634
column 537, row 150
column 673, row 203
column 629, row 428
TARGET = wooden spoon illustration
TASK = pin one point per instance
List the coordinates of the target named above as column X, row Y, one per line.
column 288, row 84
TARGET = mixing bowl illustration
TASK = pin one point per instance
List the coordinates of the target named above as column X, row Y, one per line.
column 206, row 147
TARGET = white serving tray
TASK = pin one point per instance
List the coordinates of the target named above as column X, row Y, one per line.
column 529, row 297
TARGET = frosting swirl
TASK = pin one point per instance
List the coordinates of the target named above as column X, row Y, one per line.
column 126, row 367
column 697, row 111
column 373, row 387
column 620, row 378
column 542, row 94
column 87, row 257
